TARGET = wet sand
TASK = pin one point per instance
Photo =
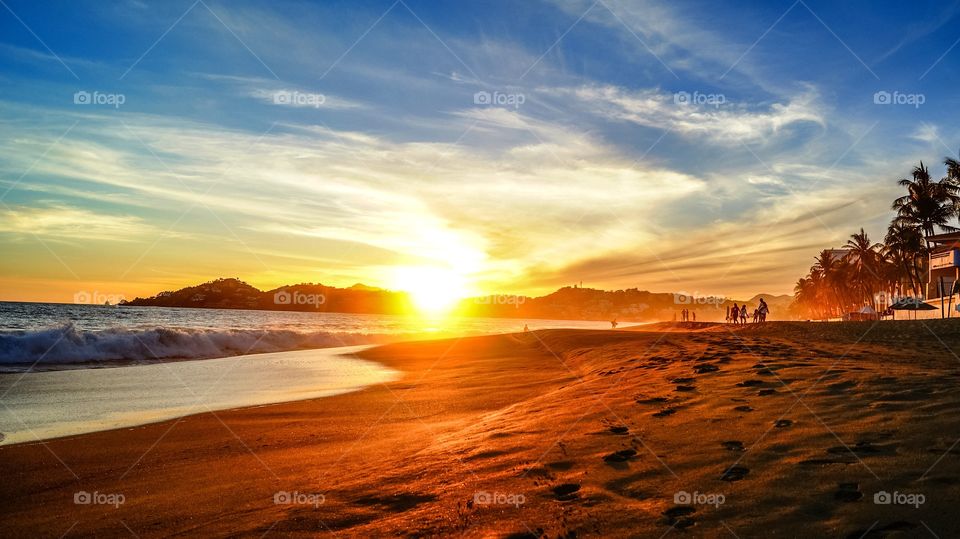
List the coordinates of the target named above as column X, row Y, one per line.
column 44, row 405
column 698, row 430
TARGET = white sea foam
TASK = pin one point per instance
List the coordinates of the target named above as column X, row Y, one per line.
column 68, row 344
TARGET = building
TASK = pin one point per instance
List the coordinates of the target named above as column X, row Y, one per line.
column 944, row 264
column 838, row 254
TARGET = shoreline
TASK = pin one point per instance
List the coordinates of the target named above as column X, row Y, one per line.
column 42, row 341
column 588, row 432
column 98, row 400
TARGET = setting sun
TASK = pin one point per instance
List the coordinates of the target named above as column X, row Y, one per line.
column 433, row 289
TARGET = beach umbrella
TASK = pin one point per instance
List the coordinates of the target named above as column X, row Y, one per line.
column 912, row 304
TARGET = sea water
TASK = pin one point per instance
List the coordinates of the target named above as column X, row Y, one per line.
column 74, row 369
column 45, row 336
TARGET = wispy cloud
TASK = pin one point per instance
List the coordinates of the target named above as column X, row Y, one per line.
column 714, row 117
column 67, row 223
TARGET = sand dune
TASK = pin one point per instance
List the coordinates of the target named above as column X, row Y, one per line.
column 784, row 430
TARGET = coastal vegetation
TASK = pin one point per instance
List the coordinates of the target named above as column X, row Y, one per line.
column 867, row 273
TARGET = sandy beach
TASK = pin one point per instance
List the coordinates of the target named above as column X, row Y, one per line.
column 695, row 430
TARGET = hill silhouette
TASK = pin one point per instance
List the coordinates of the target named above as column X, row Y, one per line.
column 567, row 303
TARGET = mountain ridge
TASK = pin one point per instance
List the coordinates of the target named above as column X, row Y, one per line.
column 566, row 303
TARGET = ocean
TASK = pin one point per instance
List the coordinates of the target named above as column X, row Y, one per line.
column 74, row 369
column 49, row 336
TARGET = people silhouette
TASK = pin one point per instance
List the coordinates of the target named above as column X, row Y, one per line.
column 735, row 313
column 763, row 310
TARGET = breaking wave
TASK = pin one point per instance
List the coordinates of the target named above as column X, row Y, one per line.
column 67, row 344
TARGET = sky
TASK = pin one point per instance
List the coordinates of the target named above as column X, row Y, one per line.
column 703, row 147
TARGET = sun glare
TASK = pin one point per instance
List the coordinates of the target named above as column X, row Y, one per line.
column 434, row 290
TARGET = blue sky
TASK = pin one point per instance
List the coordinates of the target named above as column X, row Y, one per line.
column 707, row 147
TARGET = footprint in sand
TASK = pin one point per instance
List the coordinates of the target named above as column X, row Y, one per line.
column 764, row 370
column 705, row 368
column 751, row 383
column 879, row 532
column 683, row 380
column 733, row 445
column 665, row 412
column 734, row 473
column 683, row 388
column 619, row 429
column 863, row 449
column 526, row 534
column 652, row 400
column 840, row 387
column 782, row 423
column 621, row 456
column 679, row 516
column 765, row 392
column 566, row 492
column 848, row 492
column 743, row 408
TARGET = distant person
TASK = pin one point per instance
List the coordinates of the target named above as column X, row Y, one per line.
column 756, row 315
column 613, row 324
column 734, row 313
column 526, row 328
column 743, row 314
column 764, row 309
column 728, row 314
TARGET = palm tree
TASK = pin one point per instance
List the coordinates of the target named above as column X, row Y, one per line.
column 832, row 273
column 953, row 168
column 928, row 204
column 808, row 294
column 864, row 265
column 905, row 249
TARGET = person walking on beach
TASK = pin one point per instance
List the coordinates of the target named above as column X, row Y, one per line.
column 743, row 314
column 694, row 316
column 763, row 309
column 734, row 313
column 756, row 315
